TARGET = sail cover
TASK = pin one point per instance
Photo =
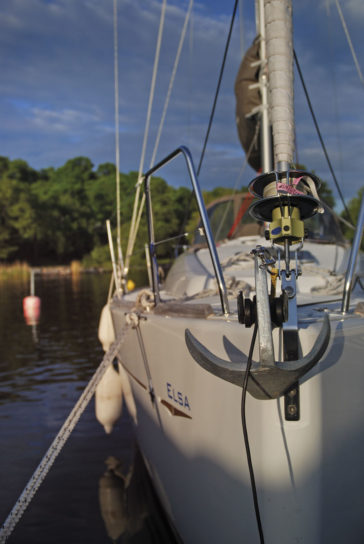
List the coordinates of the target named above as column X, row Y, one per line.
column 246, row 100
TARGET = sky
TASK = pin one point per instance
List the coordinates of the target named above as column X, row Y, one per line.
column 57, row 85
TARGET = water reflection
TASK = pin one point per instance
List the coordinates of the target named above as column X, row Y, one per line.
column 128, row 504
column 39, row 385
column 67, row 347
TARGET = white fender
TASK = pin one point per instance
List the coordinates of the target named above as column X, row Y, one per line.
column 106, row 331
column 109, row 399
column 109, row 392
column 128, row 394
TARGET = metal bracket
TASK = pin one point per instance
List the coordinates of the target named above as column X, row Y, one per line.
column 268, row 379
column 290, row 327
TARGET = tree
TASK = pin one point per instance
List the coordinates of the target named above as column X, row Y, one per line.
column 17, row 219
column 59, row 214
column 21, row 171
column 64, row 213
column 353, row 207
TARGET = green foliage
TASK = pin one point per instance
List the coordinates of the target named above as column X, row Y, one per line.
column 58, row 214
column 99, row 256
column 16, row 212
column 353, row 207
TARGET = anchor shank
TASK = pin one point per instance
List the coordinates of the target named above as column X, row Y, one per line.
column 266, row 352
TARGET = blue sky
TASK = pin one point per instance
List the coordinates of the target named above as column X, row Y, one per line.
column 57, row 88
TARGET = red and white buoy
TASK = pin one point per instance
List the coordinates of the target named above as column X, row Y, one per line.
column 31, row 304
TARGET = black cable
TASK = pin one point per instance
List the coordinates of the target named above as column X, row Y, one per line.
column 187, row 213
column 358, row 280
column 218, row 87
column 320, row 137
column 246, row 438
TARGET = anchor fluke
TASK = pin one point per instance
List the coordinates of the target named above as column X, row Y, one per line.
column 265, row 382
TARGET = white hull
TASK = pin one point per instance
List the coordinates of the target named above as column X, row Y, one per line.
column 309, row 473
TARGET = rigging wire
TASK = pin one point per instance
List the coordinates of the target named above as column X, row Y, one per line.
column 320, row 137
column 239, row 176
column 217, row 88
column 145, row 138
column 332, row 40
column 117, row 148
column 164, row 113
column 212, row 110
column 246, row 437
column 171, row 82
column 241, row 28
column 355, row 58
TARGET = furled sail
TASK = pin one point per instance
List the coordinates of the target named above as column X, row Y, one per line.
column 275, row 37
column 278, row 29
column 247, row 99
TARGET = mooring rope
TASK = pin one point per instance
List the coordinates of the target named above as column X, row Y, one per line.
column 60, row 440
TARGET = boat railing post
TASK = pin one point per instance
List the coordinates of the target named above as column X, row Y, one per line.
column 149, row 266
column 152, row 254
column 352, row 259
column 204, row 219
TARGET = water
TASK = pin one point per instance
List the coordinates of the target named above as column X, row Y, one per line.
column 42, row 374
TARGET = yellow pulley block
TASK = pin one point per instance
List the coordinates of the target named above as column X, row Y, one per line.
column 287, row 225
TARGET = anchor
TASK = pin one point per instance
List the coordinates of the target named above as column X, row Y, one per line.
column 268, row 378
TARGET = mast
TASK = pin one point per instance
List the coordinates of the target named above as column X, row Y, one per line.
column 286, row 197
column 279, row 50
column 266, row 134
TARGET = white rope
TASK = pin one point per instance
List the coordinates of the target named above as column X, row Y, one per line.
column 243, row 259
column 164, row 113
column 355, row 58
column 145, row 139
column 117, row 150
column 55, row 448
column 233, row 286
column 333, row 284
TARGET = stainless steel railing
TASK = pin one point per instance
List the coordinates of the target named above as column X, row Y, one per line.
column 204, row 219
column 349, row 278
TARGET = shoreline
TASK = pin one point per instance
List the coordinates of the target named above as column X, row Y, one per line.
column 23, row 270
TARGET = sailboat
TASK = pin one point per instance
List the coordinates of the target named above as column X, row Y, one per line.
column 245, row 364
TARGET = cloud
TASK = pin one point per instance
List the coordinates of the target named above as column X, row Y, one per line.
column 67, row 120
column 57, row 88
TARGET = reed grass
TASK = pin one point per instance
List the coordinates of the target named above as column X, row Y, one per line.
column 76, row 268
column 16, row 271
